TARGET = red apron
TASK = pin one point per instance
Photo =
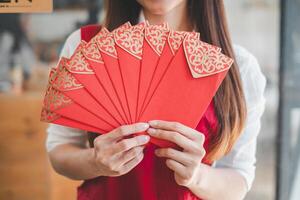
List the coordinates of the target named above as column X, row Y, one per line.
column 151, row 179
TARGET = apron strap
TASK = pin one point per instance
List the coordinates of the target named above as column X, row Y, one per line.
column 89, row 31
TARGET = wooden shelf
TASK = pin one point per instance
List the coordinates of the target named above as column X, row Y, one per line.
column 25, row 170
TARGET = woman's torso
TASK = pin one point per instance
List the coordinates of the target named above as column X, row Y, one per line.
column 150, row 179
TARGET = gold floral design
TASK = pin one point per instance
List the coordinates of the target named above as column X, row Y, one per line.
column 48, row 116
column 77, row 63
column 91, row 52
column 101, row 33
column 54, row 71
column 65, row 81
column 194, row 34
column 62, row 62
column 52, row 75
column 175, row 39
column 204, row 59
column 126, row 25
column 106, row 43
column 156, row 36
column 131, row 39
column 55, row 100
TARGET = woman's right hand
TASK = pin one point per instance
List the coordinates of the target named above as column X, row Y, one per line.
column 115, row 154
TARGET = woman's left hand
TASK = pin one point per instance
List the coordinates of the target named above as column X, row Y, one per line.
column 186, row 164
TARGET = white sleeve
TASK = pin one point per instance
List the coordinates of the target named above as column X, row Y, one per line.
column 243, row 155
column 57, row 134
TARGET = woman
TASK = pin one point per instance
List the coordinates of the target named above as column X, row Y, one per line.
column 118, row 167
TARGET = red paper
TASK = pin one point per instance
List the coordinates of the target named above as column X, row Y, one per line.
column 59, row 104
column 66, row 83
column 51, row 117
column 79, row 67
column 174, row 40
column 135, row 74
column 94, row 58
column 154, row 43
column 188, row 86
column 105, row 42
column 129, row 47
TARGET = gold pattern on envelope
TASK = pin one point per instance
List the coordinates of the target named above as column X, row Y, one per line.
column 55, row 100
column 194, row 34
column 91, row 52
column 204, row 59
column 48, row 116
column 175, row 40
column 54, row 71
column 156, row 36
column 78, row 64
column 131, row 39
column 52, row 75
column 62, row 63
column 126, row 25
column 65, row 81
column 106, row 43
column 102, row 33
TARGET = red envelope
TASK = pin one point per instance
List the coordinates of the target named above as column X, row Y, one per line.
column 79, row 67
column 105, row 42
column 129, row 47
column 51, row 117
column 155, row 40
column 60, row 105
column 123, row 77
column 94, row 58
column 66, row 83
column 188, row 86
column 174, row 41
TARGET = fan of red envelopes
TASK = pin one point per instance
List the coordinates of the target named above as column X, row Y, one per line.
column 135, row 74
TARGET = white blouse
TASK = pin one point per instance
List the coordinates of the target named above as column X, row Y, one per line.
column 242, row 158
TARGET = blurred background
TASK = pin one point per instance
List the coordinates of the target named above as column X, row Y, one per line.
column 30, row 45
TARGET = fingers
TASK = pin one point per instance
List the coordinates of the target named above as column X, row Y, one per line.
column 177, row 167
column 181, row 157
column 125, row 151
column 115, row 155
column 126, row 130
column 174, row 137
column 132, row 163
column 175, row 126
column 125, row 157
column 127, row 144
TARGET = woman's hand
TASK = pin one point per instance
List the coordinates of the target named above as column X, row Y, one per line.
column 186, row 164
column 204, row 181
column 114, row 155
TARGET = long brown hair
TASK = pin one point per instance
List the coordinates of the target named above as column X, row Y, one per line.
column 208, row 17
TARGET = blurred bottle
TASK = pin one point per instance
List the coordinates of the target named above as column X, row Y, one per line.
column 17, row 79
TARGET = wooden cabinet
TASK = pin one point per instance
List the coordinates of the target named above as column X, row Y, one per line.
column 25, row 172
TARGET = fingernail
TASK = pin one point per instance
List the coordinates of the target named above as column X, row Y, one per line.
column 153, row 123
column 151, row 131
column 143, row 126
column 143, row 138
